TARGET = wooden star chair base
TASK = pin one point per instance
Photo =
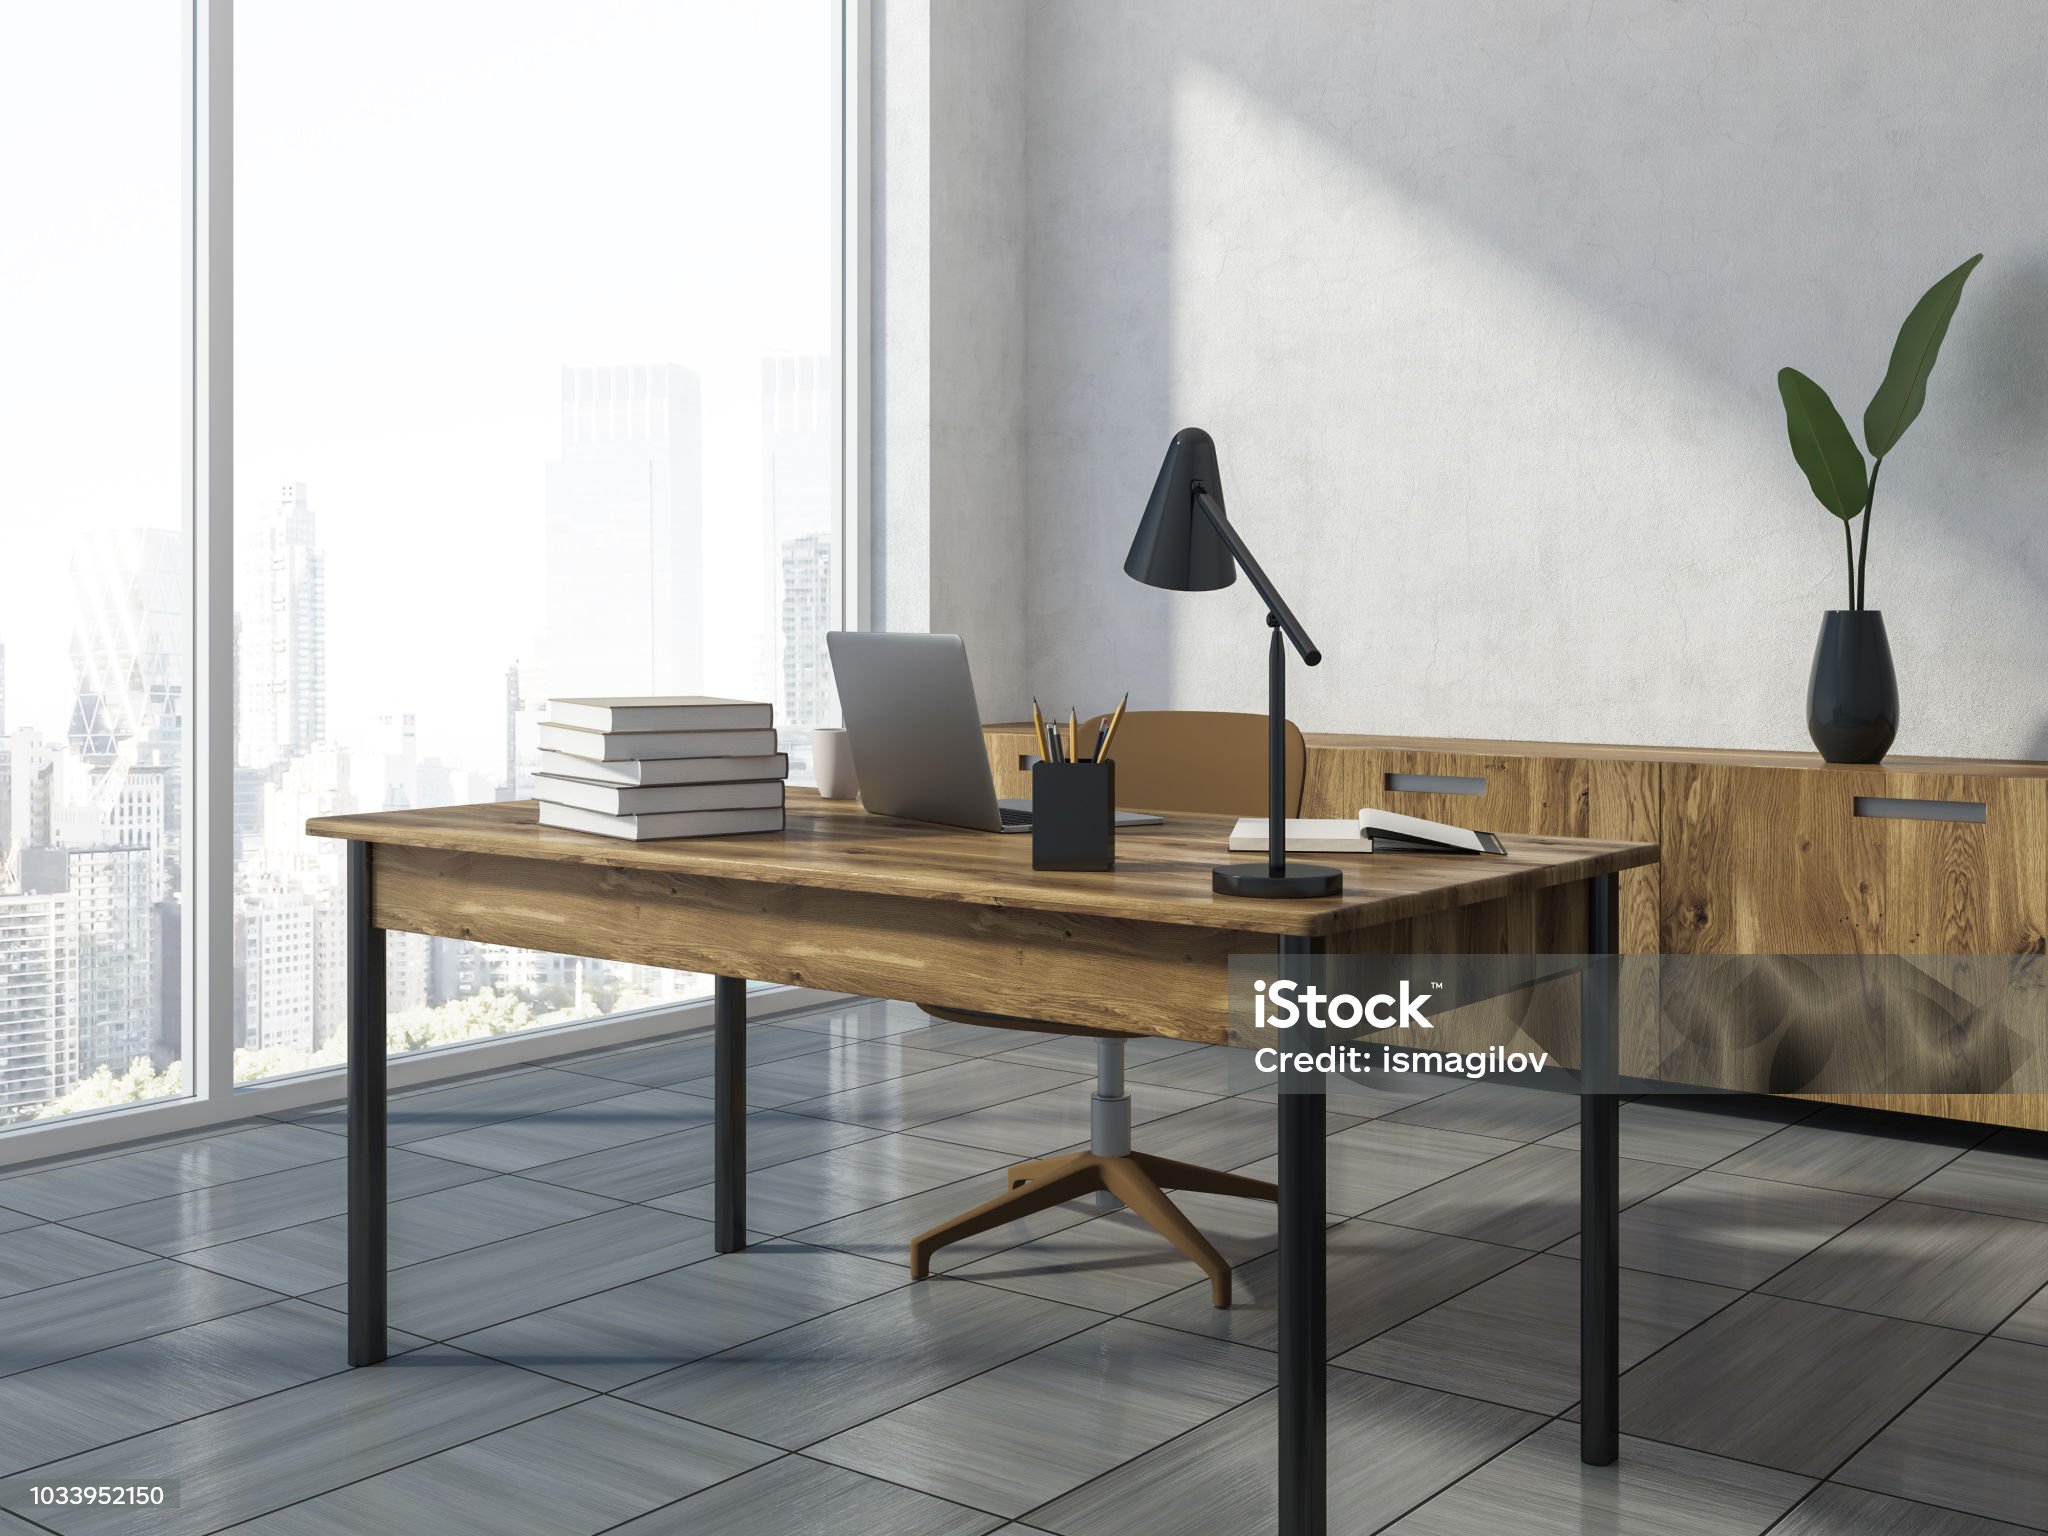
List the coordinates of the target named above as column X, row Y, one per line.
column 1199, row 762
column 1139, row 1179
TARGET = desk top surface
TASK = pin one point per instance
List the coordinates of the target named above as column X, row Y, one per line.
column 1161, row 874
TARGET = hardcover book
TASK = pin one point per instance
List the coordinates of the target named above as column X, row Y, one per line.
column 680, row 713
column 623, row 746
column 666, row 770
column 631, row 800
column 641, row 829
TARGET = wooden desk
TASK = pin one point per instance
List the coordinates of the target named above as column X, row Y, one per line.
column 854, row 903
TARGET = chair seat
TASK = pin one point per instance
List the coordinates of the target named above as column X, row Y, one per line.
column 1016, row 1021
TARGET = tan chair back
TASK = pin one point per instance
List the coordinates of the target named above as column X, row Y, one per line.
column 1198, row 761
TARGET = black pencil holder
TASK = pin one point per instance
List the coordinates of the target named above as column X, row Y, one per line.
column 1073, row 815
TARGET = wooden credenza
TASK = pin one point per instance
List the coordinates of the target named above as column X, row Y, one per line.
column 1763, row 852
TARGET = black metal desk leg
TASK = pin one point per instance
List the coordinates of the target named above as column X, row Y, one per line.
column 1304, row 1446
column 1600, row 1182
column 729, row 1084
column 366, row 1301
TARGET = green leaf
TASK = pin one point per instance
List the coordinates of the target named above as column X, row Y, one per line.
column 1904, row 390
column 1822, row 445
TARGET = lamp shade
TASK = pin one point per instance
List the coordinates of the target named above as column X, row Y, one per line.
column 1177, row 547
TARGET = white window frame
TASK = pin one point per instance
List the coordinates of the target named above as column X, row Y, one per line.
column 207, row 962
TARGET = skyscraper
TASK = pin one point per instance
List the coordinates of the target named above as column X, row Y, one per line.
column 808, row 697
column 111, row 932
column 6, row 774
column 525, row 708
column 281, row 643
column 128, row 645
column 277, row 953
column 624, row 533
column 797, row 469
column 38, row 988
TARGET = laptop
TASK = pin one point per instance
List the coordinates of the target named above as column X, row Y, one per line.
column 915, row 730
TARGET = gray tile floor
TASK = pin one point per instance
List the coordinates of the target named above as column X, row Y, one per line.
column 1833, row 1322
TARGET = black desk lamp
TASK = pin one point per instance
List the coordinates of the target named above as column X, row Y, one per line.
column 1186, row 544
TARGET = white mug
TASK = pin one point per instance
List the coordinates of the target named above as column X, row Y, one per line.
column 832, row 763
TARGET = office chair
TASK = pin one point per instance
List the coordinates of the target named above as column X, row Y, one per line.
column 1189, row 761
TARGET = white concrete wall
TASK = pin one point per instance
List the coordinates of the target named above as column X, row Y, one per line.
column 1484, row 301
column 950, row 527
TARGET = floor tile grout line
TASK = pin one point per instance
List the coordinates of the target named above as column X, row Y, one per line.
column 626, row 1091
column 1807, row 1121
column 864, row 1210
column 393, row 1269
column 190, row 1417
column 1974, row 1210
column 531, row 1418
column 140, row 1147
column 451, row 1339
column 823, row 1051
column 840, row 1043
column 781, row 1455
column 1868, row 1216
column 67, row 1221
column 274, row 1297
column 2015, row 1312
column 795, row 1107
column 93, row 1274
column 1826, row 1306
column 154, row 1258
column 1097, row 1319
column 1469, row 1472
column 174, row 1194
column 1905, row 1407
column 535, row 1171
column 1828, row 1482
column 235, row 1128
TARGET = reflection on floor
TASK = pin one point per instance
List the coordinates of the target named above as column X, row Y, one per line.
column 1834, row 1322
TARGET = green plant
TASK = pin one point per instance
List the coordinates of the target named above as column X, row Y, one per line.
column 1821, row 442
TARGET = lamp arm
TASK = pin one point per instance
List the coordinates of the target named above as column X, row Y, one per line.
column 1275, row 603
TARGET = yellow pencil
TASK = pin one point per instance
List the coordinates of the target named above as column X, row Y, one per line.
column 1038, row 728
column 1110, row 735
column 1073, row 733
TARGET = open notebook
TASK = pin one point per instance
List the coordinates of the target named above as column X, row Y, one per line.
column 1374, row 831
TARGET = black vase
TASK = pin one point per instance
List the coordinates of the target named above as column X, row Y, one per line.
column 1852, row 698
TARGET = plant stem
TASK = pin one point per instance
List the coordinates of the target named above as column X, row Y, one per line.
column 1849, row 552
column 1863, row 558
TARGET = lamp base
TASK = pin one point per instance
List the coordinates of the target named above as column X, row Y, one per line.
column 1301, row 880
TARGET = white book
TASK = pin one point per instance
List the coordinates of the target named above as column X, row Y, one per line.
column 686, row 712
column 624, row 746
column 630, row 800
column 641, row 829
column 666, row 770
column 1375, row 831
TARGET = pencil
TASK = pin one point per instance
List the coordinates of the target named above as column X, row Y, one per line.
column 1073, row 733
column 1109, row 734
column 1038, row 729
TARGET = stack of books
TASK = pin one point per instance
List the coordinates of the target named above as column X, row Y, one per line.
column 650, row 768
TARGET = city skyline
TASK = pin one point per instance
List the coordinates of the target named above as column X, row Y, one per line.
column 90, row 844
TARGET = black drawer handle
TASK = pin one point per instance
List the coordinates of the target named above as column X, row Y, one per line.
column 1890, row 809
column 1435, row 784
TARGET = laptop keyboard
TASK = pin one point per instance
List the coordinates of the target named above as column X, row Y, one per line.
column 1014, row 815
